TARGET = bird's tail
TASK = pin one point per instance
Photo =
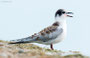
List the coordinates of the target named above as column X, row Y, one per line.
column 23, row 40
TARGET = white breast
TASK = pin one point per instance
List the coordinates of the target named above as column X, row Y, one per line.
column 62, row 35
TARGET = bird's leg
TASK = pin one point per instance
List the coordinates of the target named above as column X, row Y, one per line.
column 51, row 46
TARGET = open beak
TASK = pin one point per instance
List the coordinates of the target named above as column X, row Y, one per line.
column 69, row 14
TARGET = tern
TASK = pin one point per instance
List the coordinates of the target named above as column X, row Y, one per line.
column 52, row 34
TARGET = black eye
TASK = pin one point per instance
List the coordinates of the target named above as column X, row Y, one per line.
column 63, row 12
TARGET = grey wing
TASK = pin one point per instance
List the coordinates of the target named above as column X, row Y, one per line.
column 47, row 37
column 43, row 36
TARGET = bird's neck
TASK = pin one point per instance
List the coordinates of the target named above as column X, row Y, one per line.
column 62, row 21
column 62, row 24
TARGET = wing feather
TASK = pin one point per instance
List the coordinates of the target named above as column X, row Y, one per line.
column 49, row 33
column 44, row 35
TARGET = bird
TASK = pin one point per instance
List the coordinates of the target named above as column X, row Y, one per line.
column 50, row 35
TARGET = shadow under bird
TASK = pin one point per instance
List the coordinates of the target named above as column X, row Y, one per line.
column 52, row 34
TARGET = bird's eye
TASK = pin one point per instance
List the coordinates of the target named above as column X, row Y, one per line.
column 63, row 12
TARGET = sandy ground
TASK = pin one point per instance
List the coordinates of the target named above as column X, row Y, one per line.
column 33, row 51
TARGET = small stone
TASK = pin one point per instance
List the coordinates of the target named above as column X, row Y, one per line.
column 21, row 51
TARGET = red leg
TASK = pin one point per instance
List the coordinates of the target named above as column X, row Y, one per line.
column 51, row 46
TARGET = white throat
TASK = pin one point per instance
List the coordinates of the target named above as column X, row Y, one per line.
column 62, row 22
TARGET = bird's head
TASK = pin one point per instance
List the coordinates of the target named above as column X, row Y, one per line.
column 61, row 13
